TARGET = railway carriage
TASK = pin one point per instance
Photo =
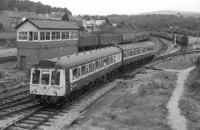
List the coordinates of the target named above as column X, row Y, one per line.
column 138, row 53
column 55, row 79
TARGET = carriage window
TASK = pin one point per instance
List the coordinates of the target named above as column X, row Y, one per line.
column 97, row 64
column 108, row 61
column 86, row 69
column 128, row 53
column 94, row 66
column 45, row 77
column 138, row 51
column 113, row 59
column 90, row 67
column 36, row 76
column 104, row 62
column 83, row 70
column 124, row 55
column 75, row 73
column 55, row 78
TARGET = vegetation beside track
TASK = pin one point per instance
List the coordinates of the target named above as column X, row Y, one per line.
column 189, row 103
column 138, row 103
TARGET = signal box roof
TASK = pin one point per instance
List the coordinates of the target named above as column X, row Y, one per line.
column 50, row 24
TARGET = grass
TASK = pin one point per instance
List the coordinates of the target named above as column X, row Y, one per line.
column 144, row 110
column 190, row 102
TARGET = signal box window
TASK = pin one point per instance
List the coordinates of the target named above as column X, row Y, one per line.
column 55, row 78
column 58, row 35
column 53, row 35
column 42, row 35
column 47, row 35
column 23, row 36
column 36, row 76
column 35, row 36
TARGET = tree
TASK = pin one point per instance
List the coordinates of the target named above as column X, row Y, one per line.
column 65, row 17
column 3, row 4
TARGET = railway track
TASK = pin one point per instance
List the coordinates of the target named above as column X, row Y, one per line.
column 163, row 48
column 42, row 114
column 8, row 59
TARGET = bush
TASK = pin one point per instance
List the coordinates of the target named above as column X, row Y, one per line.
column 197, row 61
column 195, row 87
column 1, row 75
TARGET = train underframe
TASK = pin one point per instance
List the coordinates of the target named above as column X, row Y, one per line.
column 73, row 95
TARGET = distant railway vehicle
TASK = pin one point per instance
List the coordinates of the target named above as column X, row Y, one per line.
column 103, row 40
column 180, row 39
column 53, row 80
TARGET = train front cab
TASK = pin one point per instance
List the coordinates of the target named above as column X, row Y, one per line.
column 47, row 85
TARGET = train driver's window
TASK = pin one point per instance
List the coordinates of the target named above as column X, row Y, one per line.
column 36, row 76
column 55, row 78
column 45, row 78
column 75, row 73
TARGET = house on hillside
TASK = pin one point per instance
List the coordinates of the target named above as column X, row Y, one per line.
column 9, row 19
column 92, row 25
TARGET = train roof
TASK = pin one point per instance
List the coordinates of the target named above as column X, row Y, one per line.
column 78, row 58
column 136, row 45
column 73, row 60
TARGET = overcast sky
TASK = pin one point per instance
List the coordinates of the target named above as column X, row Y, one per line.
column 105, row 7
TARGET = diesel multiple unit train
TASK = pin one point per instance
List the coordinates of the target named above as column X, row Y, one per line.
column 60, row 78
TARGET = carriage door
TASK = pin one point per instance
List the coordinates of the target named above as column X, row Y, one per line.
column 22, row 62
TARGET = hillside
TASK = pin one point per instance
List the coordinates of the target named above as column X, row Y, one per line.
column 156, row 22
column 177, row 13
column 30, row 6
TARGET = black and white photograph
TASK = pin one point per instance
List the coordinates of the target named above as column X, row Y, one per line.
column 99, row 65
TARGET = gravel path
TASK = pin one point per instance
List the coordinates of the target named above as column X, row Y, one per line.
column 177, row 121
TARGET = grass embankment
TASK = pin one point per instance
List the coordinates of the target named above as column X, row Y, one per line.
column 190, row 101
column 141, row 110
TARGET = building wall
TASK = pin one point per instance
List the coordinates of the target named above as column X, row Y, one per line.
column 36, row 51
column 27, row 27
